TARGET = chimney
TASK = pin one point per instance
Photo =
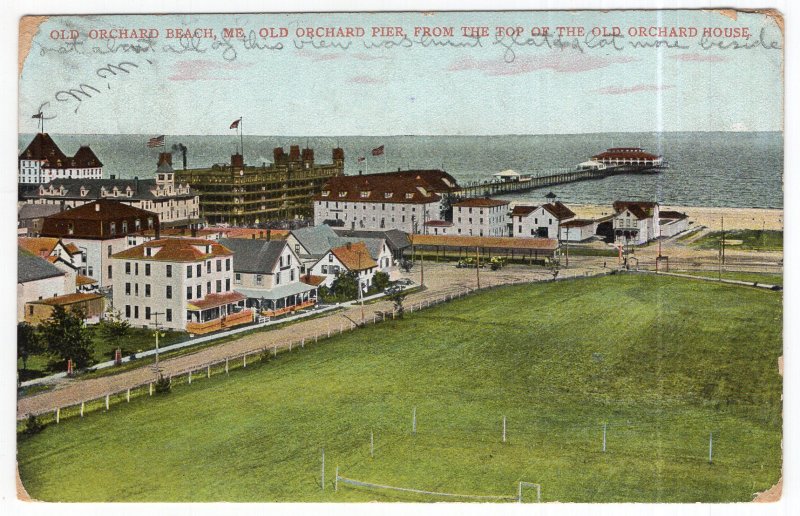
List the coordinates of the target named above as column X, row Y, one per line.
column 112, row 176
column 136, row 184
column 165, row 157
column 349, row 246
column 237, row 161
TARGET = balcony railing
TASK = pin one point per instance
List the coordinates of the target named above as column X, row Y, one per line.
column 234, row 319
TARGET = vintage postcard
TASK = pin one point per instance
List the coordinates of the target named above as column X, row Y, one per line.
column 491, row 257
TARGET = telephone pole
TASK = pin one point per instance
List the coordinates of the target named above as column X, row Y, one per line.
column 157, row 334
column 478, row 265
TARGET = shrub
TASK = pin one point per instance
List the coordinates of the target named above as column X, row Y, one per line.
column 33, row 425
column 163, row 385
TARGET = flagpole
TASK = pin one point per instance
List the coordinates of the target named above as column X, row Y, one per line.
column 241, row 136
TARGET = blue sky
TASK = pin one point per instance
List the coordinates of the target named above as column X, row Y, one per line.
column 416, row 90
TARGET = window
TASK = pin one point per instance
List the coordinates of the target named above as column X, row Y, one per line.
column 136, row 289
column 188, row 271
column 109, row 251
column 219, row 265
column 291, row 275
column 128, row 311
column 199, row 269
column 124, row 226
column 219, row 285
column 188, row 292
column 146, row 269
column 169, row 292
column 169, row 314
column 297, row 248
column 127, row 267
column 136, row 312
column 330, row 257
column 136, row 269
column 113, row 228
column 109, row 272
column 278, row 278
column 259, row 279
column 127, row 289
column 324, row 269
column 199, row 291
column 147, row 312
column 208, row 287
column 227, row 284
column 169, row 271
column 237, row 278
column 227, row 264
column 147, row 290
column 208, row 267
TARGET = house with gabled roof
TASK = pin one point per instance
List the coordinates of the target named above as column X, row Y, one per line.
column 178, row 283
column 267, row 273
column 311, row 243
column 42, row 161
column 351, row 257
column 480, row 217
column 635, row 222
column 98, row 229
column 539, row 221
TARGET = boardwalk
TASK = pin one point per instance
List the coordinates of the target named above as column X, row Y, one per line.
column 533, row 182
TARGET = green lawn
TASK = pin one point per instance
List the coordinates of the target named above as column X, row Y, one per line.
column 750, row 239
column 662, row 361
column 134, row 341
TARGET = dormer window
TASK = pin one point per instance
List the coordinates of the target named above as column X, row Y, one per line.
column 103, row 192
column 137, row 224
column 325, row 193
column 124, row 226
column 342, row 194
column 365, row 194
column 84, row 191
column 149, row 222
column 113, row 228
column 409, row 195
column 388, row 195
column 148, row 251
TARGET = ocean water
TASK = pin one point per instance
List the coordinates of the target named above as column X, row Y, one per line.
column 731, row 169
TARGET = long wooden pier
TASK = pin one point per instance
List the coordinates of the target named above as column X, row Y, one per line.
column 533, row 182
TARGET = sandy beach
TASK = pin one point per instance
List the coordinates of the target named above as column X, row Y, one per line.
column 735, row 218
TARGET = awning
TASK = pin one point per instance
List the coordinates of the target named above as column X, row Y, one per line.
column 279, row 292
column 215, row 300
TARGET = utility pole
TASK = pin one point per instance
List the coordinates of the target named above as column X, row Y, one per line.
column 157, row 334
column 723, row 240
column 567, row 245
column 478, row 265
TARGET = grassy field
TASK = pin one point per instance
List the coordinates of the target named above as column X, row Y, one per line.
column 749, row 239
column 663, row 362
column 134, row 341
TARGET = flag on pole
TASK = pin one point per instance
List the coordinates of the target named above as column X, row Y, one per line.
column 158, row 141
column 361, row 159
column 235, row 123
column 377, row 151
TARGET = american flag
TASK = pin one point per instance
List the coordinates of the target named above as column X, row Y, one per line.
column 361, row 159
column 236, row 123
column 377, row 151
column 158, row 141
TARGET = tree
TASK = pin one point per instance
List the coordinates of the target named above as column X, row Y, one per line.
column 380, row 281
column 406, row 265
column 65, row 337
column 397, row 298
column 345, row 286
column 113, row 326
column 28, row 342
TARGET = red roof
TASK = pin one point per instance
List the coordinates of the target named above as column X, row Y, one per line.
column 354, row 256
column 310, row 279
column 68, row 299
column 381, row 188
column 559, row 210
column 176, row 250
column 481, row 202
column 542, row 244
column 94, row 220
column 43, row 148
column 522, row 211
column 624, row 153
column 640, row 209
column 214, row 300
column 438, row 223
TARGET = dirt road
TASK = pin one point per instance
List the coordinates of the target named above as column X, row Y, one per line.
column 440, row 280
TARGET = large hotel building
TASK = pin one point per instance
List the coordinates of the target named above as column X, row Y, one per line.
column 239, row 194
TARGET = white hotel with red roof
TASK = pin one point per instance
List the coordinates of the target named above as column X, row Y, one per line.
column 403, row 200
column 180, row 284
